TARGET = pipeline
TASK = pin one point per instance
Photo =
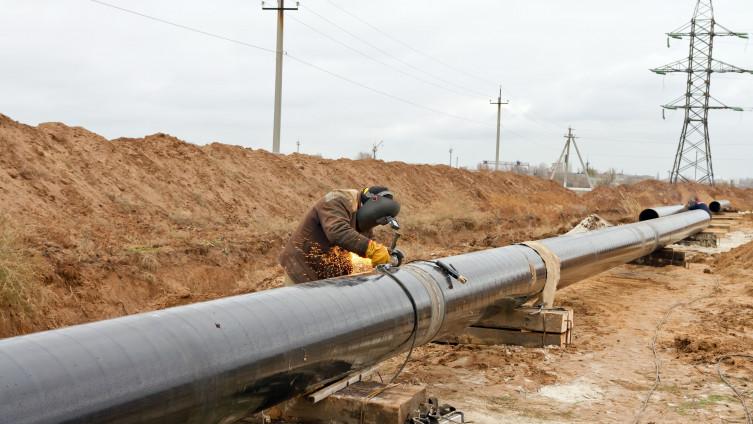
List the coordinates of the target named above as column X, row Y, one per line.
column 215, row 362
column 718, row 206
column 659, row 211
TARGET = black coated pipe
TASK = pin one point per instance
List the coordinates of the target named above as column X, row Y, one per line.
column 659, row 211
column 217, row 361
column 718, row 206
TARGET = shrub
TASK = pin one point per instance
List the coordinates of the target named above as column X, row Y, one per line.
column 18, row 270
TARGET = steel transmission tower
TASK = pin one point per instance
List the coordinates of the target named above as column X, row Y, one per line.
column 693, row 157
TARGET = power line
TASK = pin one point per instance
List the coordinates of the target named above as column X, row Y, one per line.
column 631, row 141
column 419, row 51
column 384, row 93
column 397, row 40
column 350, row 33
column 187, row 28
column 295, row 58
column 388, row 54
column 359, row 52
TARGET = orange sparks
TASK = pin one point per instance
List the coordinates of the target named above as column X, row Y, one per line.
column 360, row 264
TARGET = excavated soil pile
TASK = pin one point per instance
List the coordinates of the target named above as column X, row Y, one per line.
column 95, row 228
column 739, row 259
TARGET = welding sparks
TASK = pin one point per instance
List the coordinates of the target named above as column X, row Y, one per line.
column 360, row 264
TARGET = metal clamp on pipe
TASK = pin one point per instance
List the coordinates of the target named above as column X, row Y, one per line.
column 450, row 271
column 553, row 267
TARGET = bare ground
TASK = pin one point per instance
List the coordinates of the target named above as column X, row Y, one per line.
column 116, row 227
column 609, row 370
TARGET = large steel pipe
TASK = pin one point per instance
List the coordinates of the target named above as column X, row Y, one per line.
column 718, row 206
column 660, row 211
column 215, row 361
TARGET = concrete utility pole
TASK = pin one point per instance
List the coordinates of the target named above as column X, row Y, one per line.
column 375, row 148
column 450, row 157
column 280, row 8
column 298, row 146
column 499, row 104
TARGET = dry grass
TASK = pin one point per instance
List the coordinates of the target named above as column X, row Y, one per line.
column 19, row 270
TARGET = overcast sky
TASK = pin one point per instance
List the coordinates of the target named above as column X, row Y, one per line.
column 561, row 63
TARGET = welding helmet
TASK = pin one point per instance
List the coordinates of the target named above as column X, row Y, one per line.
column 377, row 203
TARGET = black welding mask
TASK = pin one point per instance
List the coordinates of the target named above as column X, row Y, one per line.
column 377, row 203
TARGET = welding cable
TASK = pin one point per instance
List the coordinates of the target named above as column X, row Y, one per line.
column 719, row 360
column 414, row 332
column 657, row 362
column 384, row 271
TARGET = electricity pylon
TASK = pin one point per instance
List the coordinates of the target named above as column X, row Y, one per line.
column 693, row 157
column 564, row 160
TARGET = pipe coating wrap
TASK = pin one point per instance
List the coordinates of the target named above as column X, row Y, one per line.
column 214, row 362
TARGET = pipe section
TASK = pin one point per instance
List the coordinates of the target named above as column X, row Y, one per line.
column 718, row 206
column 659, row 211
column 217, row 361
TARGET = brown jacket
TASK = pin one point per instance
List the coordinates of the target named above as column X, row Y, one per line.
column 320, row 247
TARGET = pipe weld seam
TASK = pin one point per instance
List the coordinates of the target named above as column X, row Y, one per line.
column 436, row 297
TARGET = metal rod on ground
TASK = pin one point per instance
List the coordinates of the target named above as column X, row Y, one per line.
column 220, row 360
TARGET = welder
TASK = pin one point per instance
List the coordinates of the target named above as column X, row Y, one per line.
column 339, row 223
column 696, row 203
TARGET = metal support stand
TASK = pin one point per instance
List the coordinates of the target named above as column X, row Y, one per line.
column 565, row 164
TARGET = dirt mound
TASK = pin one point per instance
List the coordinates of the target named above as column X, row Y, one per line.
column 624, row 203
column 739, row 258
column 129, row 225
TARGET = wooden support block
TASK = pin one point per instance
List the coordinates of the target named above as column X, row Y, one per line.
column 392, row 406
column 720, row 225
column 529, row 319
column 522, row 326
column 718, row 231
column 726, row 217
column 704, row 238
column 498, row 336
column 662, row 257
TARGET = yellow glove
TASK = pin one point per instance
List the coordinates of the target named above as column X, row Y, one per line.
column 377, row 253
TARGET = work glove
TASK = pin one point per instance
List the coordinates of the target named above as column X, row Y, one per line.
column 378, row 253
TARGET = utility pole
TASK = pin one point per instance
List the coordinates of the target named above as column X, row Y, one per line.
column 565, row 164
column 298, row 146
column 457, row 161
column 280, row 8
column 450, row 157
column 693, row 158
column 375, row 148
column 499, row 104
